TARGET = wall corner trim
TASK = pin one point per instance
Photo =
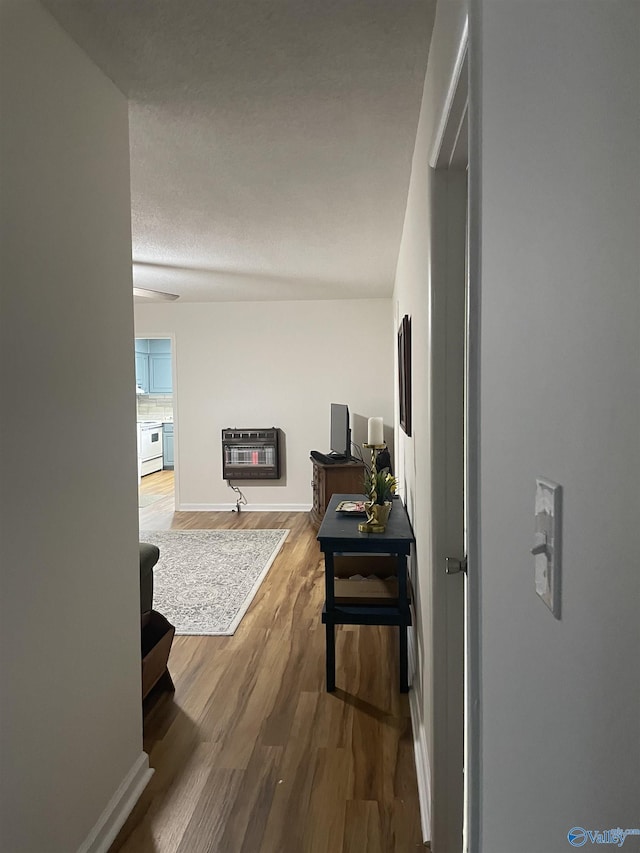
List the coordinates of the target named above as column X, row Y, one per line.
column 455, row 103
column 422, row 766
column 421, row 753
column 119, row 807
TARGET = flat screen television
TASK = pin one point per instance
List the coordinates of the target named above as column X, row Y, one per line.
column 340, row 432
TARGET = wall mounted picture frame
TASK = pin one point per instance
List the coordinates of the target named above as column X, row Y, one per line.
column 404, row 373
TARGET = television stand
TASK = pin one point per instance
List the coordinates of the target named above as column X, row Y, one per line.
column 331, row 478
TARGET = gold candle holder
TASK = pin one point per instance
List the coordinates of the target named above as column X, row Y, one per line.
column 373, row 524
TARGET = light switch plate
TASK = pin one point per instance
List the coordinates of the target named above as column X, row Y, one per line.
column 547, row 542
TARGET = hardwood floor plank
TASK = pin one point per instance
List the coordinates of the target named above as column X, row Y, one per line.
column 164, row 810
column 206, row 827
column 332, row 782
column 251, row 754
column 287, row 818
column 362, row 828
column 404, row 829
column 246, row 824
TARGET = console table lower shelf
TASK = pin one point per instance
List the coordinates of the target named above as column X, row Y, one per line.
column 365, row 615
column 384, row 600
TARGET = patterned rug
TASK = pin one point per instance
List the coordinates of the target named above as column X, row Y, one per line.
column 205, row 580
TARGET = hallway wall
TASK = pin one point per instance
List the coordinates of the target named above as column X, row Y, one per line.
column 560, row 397
column 71, row 737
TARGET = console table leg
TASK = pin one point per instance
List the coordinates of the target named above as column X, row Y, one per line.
column 331, row 657
column 404, row 662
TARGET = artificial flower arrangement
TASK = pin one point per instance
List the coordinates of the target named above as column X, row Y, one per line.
column 380, row 486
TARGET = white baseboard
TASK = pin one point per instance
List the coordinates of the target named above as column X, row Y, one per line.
column 421, row 752
column 251, row 507
column 118, row 808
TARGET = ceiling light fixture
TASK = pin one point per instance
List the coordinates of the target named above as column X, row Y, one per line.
column 155, row 294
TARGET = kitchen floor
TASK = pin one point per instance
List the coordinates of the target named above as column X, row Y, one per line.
column 156, row 500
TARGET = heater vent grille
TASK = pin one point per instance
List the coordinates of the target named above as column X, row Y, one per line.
column 251, row 454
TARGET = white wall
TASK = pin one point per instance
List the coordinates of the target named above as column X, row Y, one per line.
column 71, row 715
column 270, row 364
column 420, row 457
column 560, row 397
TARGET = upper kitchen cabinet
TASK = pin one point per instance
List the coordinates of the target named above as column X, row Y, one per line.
column 160, row 373
column 153, row 365
column 142, row 372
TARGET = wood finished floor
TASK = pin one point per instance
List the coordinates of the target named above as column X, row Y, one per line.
column 251, row 755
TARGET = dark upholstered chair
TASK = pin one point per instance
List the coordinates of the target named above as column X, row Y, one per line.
column 157, row 633
column 149, row 556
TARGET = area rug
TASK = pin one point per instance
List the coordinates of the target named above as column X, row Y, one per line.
column 205, row 580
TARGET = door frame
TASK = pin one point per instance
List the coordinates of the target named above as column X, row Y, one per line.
column 174, row 379
column 473, row 709
column 455, row 147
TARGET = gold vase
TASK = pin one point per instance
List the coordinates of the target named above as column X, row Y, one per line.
column 377, row 517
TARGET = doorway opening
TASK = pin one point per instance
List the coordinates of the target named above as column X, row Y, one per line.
column 156, row 409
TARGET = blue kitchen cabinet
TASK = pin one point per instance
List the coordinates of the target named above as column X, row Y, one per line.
column 153, row 365
column 160, row 373
column 142, row 371
column 167, row 447
column 159, row 345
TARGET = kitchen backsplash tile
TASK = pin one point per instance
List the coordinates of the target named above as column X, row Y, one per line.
column 152, row 406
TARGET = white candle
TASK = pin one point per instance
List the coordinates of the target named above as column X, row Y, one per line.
column 375, row 431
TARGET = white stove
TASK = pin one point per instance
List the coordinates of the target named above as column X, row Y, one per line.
column 149, row 447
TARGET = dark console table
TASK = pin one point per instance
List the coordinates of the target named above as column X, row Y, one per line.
column 365, row 602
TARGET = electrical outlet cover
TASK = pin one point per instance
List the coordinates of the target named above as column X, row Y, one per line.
column 546, row 547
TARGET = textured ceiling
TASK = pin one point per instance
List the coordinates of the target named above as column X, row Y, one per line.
column 271, row 140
